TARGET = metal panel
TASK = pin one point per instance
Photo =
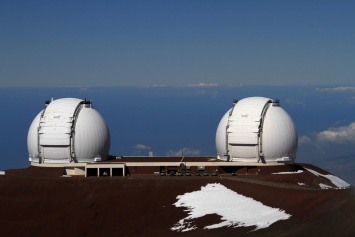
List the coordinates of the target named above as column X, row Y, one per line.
column 32, row 138
column 242, row 151
column 56, row 153
column 244, row 126
column 54, row 139
column 55, row 129
column 279, row 135
column 92, row 137
column 221, row 137
column 244, row 122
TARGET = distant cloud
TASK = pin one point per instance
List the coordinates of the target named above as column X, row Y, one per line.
column 304, row 140
column 293, row 101
column 157, row 86
column 204, row 85
column 337, row 89
column 339, row 135
column 80, row 87
column 187, row 152
column 141, row 147
column 83, row 88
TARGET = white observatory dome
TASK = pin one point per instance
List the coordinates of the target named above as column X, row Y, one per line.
column 257, row 129
column 68, row 130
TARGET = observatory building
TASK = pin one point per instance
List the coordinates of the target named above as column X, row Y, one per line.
column 256, row 129
column 68, row 130
column 253, row 137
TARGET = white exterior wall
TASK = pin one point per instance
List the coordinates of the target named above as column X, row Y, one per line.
column 280, row 137
column 92, row 137
column 221, row 137
column 32, row 139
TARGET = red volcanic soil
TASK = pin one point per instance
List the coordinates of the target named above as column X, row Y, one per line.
column 40, row 202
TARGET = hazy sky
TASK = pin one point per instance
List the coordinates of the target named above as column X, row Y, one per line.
column 176, row 43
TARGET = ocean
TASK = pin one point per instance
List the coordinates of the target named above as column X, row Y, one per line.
column 167, row 120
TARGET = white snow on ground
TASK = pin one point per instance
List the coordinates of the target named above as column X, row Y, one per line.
column 302, row 184
column 296, row 172
column 324, row 186
column 339, row 183
column 235, row 210
column 65, row 176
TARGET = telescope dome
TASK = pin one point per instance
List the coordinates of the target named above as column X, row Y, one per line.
column 257, row 129
column 68, row 130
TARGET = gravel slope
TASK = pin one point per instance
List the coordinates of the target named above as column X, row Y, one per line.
column 39, row 202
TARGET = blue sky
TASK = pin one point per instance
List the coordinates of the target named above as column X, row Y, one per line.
column 176, row 43
column 162, row 73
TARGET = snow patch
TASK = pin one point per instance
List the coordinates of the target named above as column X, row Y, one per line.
column 324, row 186
column 293, row 172
column 302, row 184
column 65, row 176
column 235, row 210
column 338, row 182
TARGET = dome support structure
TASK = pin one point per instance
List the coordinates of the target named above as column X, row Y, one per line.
column 40, row 159
column 260, row 133
column 252, row 128
column 72, row 133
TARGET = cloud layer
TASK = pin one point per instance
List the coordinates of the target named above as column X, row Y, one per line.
column 141, row 147
column 185, row 152
column 340, row 135
column 337, row 89
column 304, row 140
column 334, row 135
column 203, row 85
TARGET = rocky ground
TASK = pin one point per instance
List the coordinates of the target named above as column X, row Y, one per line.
column 41, row 202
